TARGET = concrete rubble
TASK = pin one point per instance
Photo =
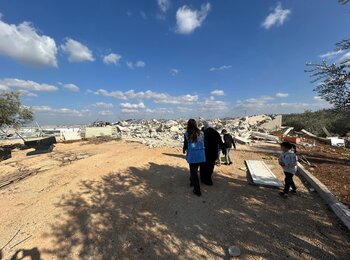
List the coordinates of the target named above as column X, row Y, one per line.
column 157, row 133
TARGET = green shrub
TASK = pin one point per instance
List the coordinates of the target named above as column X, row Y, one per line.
column 337, row 122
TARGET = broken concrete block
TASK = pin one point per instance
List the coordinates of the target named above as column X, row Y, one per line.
column 285, row 133
column 98, row 131
column 71, row 136
column 274, row 124
column 261, row 174
column 242, row 140
column 264, row 136
column 335, row 141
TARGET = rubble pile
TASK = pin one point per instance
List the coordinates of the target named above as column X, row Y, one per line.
column 157, row 133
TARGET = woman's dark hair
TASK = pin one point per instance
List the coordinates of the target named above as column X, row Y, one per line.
column 224, row 131
column 192, row 130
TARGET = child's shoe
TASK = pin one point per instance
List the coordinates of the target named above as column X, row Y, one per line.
column 282, row 194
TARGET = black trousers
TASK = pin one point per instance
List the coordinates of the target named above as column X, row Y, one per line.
column 288, row 182
column 194, row 176
column 207, row 169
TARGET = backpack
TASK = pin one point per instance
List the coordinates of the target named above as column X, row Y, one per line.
column 196, row 150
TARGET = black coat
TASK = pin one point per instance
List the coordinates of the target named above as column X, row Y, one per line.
column 229, row 141
column 212, row 143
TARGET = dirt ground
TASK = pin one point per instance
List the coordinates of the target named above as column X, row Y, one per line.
column 119, row 200
column 331, row 165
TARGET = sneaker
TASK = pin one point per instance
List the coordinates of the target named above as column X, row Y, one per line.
column 282, row 194
column 198, row 193
column 293, row 191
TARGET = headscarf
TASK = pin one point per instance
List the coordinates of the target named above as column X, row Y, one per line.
column 207, row 125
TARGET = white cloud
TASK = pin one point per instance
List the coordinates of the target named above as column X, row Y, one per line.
column 213, row 105
column 114, row 94
column 130, row 111
column 159, row 111
column 77, row 52
column 140, row 105
column 265, row 105
column 331, row 54
column 188, row 20
column 277, row 17
column 140, row 64
column 71, row 87
column 137, row 64
column 27, row 93
column 282, row 95
column 106, row 113
column 345, row 58
column 318, row 98
column 174, row 72
column 224, row 67
column 112, row 58
column 253, row 102
column 164, row 5
column 103, row 104
column 26, row 86
column 130, row 64
column 57, row 112
column 23, row 43
column 218, row 92
column 157, row 97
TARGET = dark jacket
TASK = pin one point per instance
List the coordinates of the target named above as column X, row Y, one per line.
column 212, row 143
column 229, row 141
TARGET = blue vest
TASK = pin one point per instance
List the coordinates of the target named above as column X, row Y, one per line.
column 196, row 150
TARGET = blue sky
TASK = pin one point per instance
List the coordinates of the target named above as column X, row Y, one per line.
column 78, row 61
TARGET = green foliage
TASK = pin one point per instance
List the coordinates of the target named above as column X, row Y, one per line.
column 333, row 80
column 337, row 123
column 12, row 113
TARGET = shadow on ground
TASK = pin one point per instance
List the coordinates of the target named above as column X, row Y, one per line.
column 28, row 254
column 150, row 213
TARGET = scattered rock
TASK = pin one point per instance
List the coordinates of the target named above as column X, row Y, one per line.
column 307, row 251
column 234, row 251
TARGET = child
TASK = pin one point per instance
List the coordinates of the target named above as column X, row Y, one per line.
column 288, row 160
column 195, row 153
column 228, row 143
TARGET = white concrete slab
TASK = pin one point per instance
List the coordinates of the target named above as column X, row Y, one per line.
column 99, row 131
column 261, row 174
column 71, row 136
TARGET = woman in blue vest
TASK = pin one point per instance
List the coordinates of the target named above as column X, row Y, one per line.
column 195, row 152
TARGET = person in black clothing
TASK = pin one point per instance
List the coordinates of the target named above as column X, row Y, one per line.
column 212, row 143
column 229, row 142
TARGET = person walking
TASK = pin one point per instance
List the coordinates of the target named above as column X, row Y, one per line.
column 289, row 162
column 212, row 143
column 229, row 142
column 194, row 149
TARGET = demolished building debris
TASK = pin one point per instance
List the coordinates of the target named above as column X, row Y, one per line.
column 155, row 133
column 169, row 133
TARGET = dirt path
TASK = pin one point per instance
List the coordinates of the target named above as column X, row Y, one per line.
column 121, row 200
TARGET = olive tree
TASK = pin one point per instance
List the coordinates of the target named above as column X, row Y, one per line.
column 12, row 112
column 333, row 80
